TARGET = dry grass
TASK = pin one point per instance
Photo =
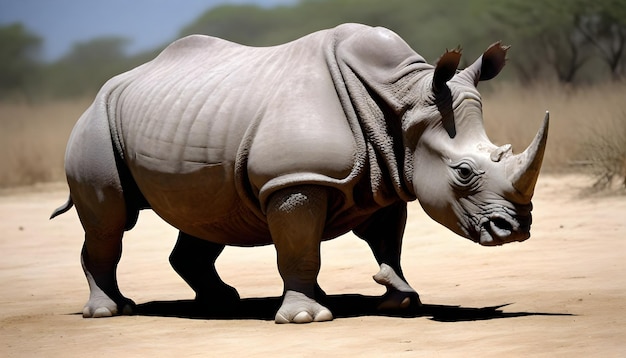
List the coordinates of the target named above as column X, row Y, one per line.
column 604, row 154
column 33, row 138
column 513, row 115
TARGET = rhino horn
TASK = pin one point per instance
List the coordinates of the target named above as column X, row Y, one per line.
column 487, row 66
column 524, row 167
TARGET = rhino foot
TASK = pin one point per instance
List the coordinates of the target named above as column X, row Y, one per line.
column 105, row 302
column 399, row 294
column 219, row 295
column 298, row 308
column 103, row 306
column 397, row 300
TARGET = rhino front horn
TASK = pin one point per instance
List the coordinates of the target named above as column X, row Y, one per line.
column 525, row 166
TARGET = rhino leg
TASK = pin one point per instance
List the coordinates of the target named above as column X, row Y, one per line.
column 296, row 217
column 104, row 225
column 194, row 260
column 383, row 232
column 96, row 190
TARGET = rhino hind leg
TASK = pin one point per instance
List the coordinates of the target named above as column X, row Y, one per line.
column 296, row 217
column 383, row 232
column 194, row 260
column 96, row 189
column 104, row 227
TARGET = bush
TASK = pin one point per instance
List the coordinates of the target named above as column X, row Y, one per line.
column 604, row 153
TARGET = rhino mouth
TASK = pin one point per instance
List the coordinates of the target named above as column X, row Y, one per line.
column 501, row 228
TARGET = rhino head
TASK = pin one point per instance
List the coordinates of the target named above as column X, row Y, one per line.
column 477, row 189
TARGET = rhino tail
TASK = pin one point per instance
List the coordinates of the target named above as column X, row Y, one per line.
column 63, row 208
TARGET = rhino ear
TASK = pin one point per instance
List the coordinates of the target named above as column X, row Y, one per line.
column 488, row 65
column 493, row 61
column 446, row 68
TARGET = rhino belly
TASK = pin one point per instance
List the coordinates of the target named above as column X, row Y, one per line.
column 202, row 202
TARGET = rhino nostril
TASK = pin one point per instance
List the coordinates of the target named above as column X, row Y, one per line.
column 502, row 224
column 500, row 227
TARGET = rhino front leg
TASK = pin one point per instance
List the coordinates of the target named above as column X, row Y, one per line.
column 194, row 260
column 383, row 232
column 296, row 218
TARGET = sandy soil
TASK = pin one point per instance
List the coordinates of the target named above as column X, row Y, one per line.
column 562, row 293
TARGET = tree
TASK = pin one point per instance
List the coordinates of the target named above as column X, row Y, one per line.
column 88, row 66
column 18, row 60
column 603, row 24
column 546, row 33
column 97, row 51
column 566, row 35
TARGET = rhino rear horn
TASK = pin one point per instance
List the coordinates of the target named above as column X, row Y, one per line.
column 446, row 68
column 525, row 166
column 487, row 66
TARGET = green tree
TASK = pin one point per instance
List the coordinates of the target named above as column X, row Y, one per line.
column 565, row 36
column 546, row 34
column 88, row 66
column 603, row 24
column 19, row 51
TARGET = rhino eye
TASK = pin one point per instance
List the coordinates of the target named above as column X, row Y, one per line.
column 464, row 171
column 465, row 174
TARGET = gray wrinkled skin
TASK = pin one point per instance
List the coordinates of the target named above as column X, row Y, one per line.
column 292, row 145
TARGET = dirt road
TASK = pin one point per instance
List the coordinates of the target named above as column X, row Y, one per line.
column 564, row 290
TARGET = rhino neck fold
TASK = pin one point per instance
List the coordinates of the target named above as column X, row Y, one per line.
column 374, row 98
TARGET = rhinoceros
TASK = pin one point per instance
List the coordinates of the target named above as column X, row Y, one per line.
column 291, row 145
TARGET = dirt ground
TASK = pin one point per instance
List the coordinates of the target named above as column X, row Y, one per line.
column 560, row 294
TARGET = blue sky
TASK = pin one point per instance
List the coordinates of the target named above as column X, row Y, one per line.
column 147, row 23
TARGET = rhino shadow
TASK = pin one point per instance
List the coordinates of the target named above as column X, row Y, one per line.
column 342, row 306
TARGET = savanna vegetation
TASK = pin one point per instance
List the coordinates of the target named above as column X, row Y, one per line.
column 566, row 56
